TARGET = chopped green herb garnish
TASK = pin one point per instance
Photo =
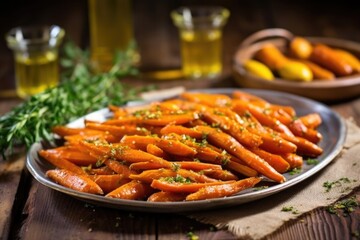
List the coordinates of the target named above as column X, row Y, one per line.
column 346, row 205
column 260, row 188
column 312, row 161
column 295, row 171
column 290, row 209
column 329, row 185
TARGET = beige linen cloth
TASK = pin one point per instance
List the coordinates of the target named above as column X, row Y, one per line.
column 262, row 217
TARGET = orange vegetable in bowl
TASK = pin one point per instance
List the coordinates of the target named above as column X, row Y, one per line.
column 300, row 48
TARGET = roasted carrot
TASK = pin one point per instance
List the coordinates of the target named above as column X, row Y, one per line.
column 155, row 121
column 232, row 128
column 262, row 117
column 304, row 147
column 166, row 197
column 223, row 190
column 181, row 130
column 118, row 167
column 149, row 175
column 232, row 146
column 104, row 170
column 294, row 160
column 276, row 161
column 168, row 186
column 133, row 190
column 299, row 129
column 168, row 145
column 55, row 159
column 73, row 155
column 311, row 120
column 109, row 183
column 74, row 181
column 156, row 151
column 223, row 175
column 118, row 131
column 208, row 99
column 126, row 154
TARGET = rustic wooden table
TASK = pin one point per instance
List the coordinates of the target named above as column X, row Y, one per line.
column 29, row 210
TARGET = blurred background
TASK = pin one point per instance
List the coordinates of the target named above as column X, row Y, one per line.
column 157, row 37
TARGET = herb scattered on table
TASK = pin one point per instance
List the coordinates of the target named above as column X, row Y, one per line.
column 338, row 183
column 347, row 206
column 81, row 91
column 291, row 209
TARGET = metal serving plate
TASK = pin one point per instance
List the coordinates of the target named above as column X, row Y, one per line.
column 333, row 130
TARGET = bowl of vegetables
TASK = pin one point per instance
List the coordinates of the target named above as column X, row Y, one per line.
column 324, row 69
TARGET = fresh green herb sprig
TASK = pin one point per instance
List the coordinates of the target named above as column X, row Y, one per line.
column 81, row 91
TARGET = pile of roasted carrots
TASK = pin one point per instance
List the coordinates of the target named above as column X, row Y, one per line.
column 198, row 146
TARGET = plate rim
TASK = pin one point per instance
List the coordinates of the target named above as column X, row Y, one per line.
column 173, row 207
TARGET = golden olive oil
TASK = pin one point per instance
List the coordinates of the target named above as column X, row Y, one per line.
column 111, row 29
column 201, row 52
column 35, row 72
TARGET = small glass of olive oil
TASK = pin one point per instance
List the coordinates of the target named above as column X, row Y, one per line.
column 200, row 31
column 36, row 57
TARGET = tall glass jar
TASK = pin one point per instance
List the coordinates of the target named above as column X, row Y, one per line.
column 111, row 29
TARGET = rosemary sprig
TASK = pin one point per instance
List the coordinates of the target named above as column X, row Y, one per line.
column 81, row 91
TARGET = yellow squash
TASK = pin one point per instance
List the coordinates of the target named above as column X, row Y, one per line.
column 258, row 69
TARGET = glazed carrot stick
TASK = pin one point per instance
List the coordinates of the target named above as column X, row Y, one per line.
column 208, row 99
column 168, row 145
column 133, row 190
column 104, row 170
column 126, row 154
column 241, row 95
column 223, row 190
column 295, row 161
column 118, row 167
column 74, row 155
column 118, row 131
column 140, row 166
column 162, row 120
column 275, row 144
column 232, row 128
column 53, row 157
column 304, row 147
column 299, row 129
column 276, row 161
column 156, row 151
column 242, row 169
column 188, row 165
column 261, row 116
column 75, row 139
column 149, row 175
column 311, row 120
column 66, row 131
column 74, row 181
column 109, row 183
column 168, row 186
column 223, row 175
column 181, row 130
column 262, row 102
column 166, row 197
column 225, row 141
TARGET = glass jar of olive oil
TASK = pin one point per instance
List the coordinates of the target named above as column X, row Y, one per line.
column 36, row 57
column 111, row 30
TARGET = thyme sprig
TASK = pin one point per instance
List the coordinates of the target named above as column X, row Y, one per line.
column 81, row 91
